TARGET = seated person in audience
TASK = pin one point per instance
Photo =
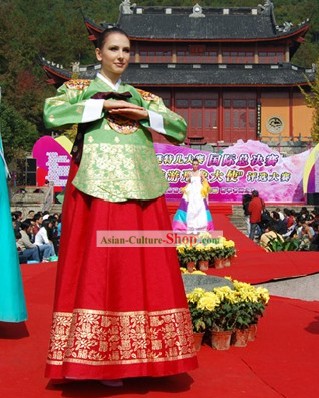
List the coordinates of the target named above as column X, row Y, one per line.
column 279, row 226
column 291, row 223
column 45, row 215
column 22, row 258
column 303, row 214
column 24, row 245
column 14, row 222
column 289, row 217
column 43, row 239
column 38, row 219
column 18, row 219
column 305, row 226
column 269, row 235
column 315, row 213
column 281, row 214
column 54, row 233
column 305, row 233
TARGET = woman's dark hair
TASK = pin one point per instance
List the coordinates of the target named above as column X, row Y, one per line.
column 25, row 225
column 49, row 229
column 46, row 223
column 287, row 212
column 195, row 160
column 37, row 216
column 275, row 215
column 107, row 32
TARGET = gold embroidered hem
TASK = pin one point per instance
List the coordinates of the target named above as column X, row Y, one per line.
column 117, row 173
column 112, row 338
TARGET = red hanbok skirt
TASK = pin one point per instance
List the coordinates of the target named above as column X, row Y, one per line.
column 119, row 311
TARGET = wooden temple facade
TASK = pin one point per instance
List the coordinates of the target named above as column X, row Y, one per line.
column 228, row 71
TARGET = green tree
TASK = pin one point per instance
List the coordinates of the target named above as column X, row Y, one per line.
column 18, row 134
column 312, row 100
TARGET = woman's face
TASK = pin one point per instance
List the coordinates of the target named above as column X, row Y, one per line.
column 195, row 166
column 114, row 55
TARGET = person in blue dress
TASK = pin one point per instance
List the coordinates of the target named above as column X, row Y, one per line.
column 12, row 300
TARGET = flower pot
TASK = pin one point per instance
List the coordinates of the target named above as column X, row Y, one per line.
column 227, row 262
column 203, row 265
column 220, row 339
column 219, row 263
column 240, row 337
column 198, row 339
column 252, row 331
column 191, row 266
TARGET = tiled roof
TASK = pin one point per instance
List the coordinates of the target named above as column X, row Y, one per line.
column 215, row 24
column 211, row 75
column 216, row 75
column 182, row 27
column 184, row 23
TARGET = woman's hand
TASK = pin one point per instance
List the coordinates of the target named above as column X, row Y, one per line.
column 202, row 176
column 125, row 109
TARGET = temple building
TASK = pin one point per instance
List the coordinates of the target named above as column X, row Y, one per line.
column 228, row 71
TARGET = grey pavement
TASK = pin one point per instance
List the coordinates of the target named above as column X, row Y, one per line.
column 303, row 288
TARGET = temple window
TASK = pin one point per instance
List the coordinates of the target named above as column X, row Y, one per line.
column 155, row 54
column 271, row 57
column 238, row 57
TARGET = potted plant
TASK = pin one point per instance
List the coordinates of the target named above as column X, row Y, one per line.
column 187, row 256
column 227, row 310
column 197, row 316
column 220, row 313
column 278, row 244
column 219, row 252
column 251, row 304
column 230, row 251
column 225, row 313
column 204, row 255
column 207, row 250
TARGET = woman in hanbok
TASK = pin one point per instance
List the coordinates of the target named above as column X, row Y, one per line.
column 12, row 300
column 119, row 312
column 193, row 214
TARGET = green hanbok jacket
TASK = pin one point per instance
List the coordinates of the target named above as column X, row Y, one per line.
column 117, row 161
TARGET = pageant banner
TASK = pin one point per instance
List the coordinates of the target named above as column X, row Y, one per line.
column 231, row 172
column 236, row 170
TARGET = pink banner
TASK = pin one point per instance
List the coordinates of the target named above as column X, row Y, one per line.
column 53, row 162
column 231, row 172
column 236, row 170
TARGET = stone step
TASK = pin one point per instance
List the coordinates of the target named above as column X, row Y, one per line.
column 56, row 208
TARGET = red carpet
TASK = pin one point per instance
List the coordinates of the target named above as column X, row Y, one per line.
column 282, row 362
column 254, row 265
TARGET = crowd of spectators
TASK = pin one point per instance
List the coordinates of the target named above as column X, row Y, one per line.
column 283, row 225
column 37, row 236
column 288, row 224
